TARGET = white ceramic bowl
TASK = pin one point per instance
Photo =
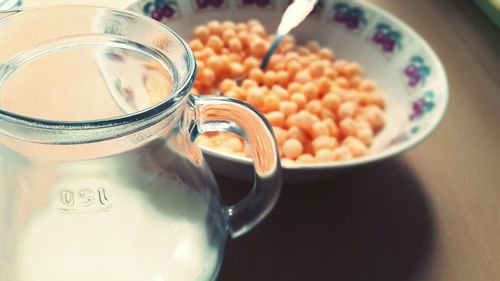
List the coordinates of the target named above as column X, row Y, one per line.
column 404, row 66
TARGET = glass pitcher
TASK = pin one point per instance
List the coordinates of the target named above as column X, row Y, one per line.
column 100, row 175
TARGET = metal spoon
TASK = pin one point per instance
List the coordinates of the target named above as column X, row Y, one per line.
column 294, row 14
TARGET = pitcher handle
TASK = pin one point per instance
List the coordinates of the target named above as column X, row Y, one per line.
column 217, row 113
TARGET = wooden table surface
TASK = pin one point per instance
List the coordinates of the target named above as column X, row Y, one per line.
column 431, row 214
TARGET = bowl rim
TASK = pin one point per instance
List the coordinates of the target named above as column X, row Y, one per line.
column 385, row 153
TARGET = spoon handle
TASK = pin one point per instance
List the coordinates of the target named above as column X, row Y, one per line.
column 276, row 42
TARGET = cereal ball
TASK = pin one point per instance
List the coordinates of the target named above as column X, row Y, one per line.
column 348, row 127
column 350, row 69
column 207, row 77
column 355, row 146
column 236, row 69
column 294, row 87
column 280, row 135
column 241, row 27
column 282, row 78
column 269, row 78
column 310, row 91
column 366, row 85
column 243, row 37
column 331, row 73
column 317, row 69
column 216, row 63
column 341, row 82
column 352, row 96
column 314, row 107
column 365, row 135
column 326, row 54
column 293, row 68
column 323, row 142
column 259, row 30
column 299, row 99
column 276, row 118
column 215, row 27
column 304, row 120
column 272, row 102
column 303, row 76
column 227, row 34
column 248, row 84
column 374, row 116
column 257, row 75
column 319, row 129
column 228, row 25
column 306, row 159
column 196, row 45
column 295, row 132
column 227, row 84
column 280, row 92
column 250, row 63
column 327, row 114
column 331, row 101
column 313, row 46
column 234, row 44
column 258, row 48
column 215, row 43
column 288, row 108
column 202, row 33
column 342, row 153
column 347, row 109
column 233, row 94
column 255, row 97
column 323, row 85
column 292, row 148
column 325, row 155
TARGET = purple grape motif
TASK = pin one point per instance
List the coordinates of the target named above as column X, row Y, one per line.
column 417, row 71
column 352, row 22
column 217, row 3
column 351, row 17
column 388, row 45
column 422, row 105
column 340, row 17
column 262, row 3
column 202, row 3
column 379, row 37
column 167, row 12
column 160, row 9
column 157, row 15
column 387, row 38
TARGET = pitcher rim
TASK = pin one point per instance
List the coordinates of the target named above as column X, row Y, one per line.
column 127, row 119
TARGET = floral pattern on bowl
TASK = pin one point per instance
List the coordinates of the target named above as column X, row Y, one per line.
column 423, row 106
column 199, row 5
column 259, row 4
column 350, row 16
column 161, row 10
column 417, row 72
column 388, row 38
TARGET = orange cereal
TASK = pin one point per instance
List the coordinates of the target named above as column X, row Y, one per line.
column 321, row 109
column 288, row 108
column 292, row 148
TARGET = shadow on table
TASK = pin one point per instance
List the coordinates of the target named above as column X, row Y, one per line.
column 373, row 223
